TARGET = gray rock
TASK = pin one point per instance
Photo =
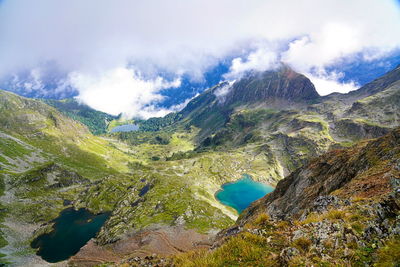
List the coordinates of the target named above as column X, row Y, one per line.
column 322, row 203
column 288, row 253
column 180, row 220
column 396, row 228
column 397, row 165
column 298, row 234
column 372, row 231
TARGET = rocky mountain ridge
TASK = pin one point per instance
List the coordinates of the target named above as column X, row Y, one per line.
column 341, row 209
column 367, row 170
column 284, row 83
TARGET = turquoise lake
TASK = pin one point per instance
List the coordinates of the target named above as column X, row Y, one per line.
column 241, row 193
column 71, row 231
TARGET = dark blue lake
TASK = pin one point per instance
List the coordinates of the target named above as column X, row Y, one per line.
column 125, row 128
column 241, row 193
column 71, row 231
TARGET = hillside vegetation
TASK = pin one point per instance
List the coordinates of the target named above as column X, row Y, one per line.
column 161, row 180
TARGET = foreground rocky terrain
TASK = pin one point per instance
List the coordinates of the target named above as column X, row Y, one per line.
column 341, row 209
column 159, row 185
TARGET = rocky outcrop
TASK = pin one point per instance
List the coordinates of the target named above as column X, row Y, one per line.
column 283, row 83
column 354, row 130
column 364, row 170
column 50, row 175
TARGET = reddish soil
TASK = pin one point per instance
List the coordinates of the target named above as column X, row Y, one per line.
column 163, row 242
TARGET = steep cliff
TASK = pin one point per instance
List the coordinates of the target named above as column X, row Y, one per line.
column 365, row 170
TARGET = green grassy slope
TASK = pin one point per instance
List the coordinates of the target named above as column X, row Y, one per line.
column 49, row 162
column 96, row 121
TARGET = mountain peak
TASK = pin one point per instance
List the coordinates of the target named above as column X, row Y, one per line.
column 283, row 84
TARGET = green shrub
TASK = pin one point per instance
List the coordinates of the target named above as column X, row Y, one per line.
column 389, row 255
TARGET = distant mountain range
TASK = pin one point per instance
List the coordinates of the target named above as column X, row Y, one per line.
column 53, row 83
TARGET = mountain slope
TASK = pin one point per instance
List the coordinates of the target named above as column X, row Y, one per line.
column 366, row 170
column 96, row 121
column 347, row 205
column 281, row 88
column 284, row 83
column 161, row 181
column 291, row 134
column 50, row 162
column 45, row 160
column 378, row 84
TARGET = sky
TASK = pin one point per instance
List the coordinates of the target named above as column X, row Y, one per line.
column 132, row 57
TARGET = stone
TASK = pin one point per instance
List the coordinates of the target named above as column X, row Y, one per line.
column 397, row 165
column 180, row 220
column 322, row 203
column 288, row 253
column 298, row 234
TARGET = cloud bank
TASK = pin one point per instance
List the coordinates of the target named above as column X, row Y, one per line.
column 115, row 53
column 104, row 91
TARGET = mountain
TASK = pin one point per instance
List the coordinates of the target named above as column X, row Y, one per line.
column 282, row 130
column 341, row 209
column 158, row 185
column 280, row 88
column 267, row 139
column 284, row 84
column 303, row 130
column 96, row 121
column 367, row 170
column 50, row 162
column 378, row 84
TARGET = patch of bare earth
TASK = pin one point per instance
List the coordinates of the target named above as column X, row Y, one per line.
column 162, row 242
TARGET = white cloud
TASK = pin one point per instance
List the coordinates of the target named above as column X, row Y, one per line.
column 35, row 82
column 180, row 106
column 122, row 90
column 327, row 86
column 178, row 36
column 321, row 48
column 223, row 90
column 326, row 83
column 261, row 59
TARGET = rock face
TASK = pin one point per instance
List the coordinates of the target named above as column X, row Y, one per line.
column 357, row 131
column 284, row 83
column 363, row 170
column 282, row 88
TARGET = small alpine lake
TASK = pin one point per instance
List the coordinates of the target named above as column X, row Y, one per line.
column 125, row 128
column 241, row 193
column 72, row 229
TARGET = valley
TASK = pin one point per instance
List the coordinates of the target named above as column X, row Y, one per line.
column 158, row 183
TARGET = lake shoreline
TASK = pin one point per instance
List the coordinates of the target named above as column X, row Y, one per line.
column 253, row 190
